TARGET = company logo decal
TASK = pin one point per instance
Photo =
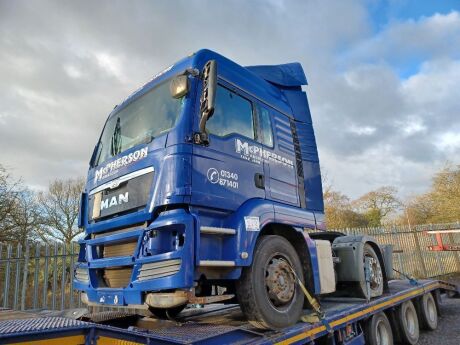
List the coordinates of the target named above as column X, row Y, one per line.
column 114, row 201
column 213, row 175
column 112, row 168
column 257, row 154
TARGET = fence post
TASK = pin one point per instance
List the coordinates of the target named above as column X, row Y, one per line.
column 63, row 281
column 56, row 251
column 457, row 260
column 45, row 277
column 36, row 270
column 419, row 251
column 24, row 278
column 6, row 290
column 438, row 261
column 72, row 251
column 17, row 277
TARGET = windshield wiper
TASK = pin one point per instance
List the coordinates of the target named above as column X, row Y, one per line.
column 115, row 147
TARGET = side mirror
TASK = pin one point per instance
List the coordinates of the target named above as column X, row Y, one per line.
column 207, row 99
column 179, row 86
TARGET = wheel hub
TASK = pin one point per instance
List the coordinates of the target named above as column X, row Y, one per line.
column 375, row 273
column 279, row 281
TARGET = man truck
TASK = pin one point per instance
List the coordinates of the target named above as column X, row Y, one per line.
column 205, row 186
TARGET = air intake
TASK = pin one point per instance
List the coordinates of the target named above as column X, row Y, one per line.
column 159, row 269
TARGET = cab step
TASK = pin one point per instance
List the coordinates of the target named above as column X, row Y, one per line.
column 217, row 263
column 211, row 230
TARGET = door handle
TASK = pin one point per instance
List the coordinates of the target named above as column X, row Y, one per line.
column 259, row 180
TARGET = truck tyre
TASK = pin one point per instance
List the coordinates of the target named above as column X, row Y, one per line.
column 167, row 313
column 407, row 321
column 427, row 313
column 376, row 273
column 268, row 292
column 377, row 330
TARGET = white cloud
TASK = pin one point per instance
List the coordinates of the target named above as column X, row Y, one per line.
column 66, row 65
column 110, row 64
column 366, row 130
column 449, row 141
column 425, row 37
column 73, row 71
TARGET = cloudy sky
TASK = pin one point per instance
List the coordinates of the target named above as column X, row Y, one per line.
column 384, row 77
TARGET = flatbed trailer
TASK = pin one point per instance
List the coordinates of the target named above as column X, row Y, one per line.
column 222, row 324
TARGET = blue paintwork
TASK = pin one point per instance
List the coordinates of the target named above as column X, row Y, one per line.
column 181, row 181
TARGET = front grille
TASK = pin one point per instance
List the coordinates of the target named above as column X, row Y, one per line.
column 126, row 248
column 159, row 269
column 118, row 231
column 117, row 277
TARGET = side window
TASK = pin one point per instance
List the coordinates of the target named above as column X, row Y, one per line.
column 266, row 133
column 232, row 114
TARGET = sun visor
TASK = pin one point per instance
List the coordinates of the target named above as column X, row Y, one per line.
column 286, row 75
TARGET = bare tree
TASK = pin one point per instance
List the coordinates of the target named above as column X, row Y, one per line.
column 59, row 210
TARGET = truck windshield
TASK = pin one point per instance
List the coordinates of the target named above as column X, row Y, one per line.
column 149, row 116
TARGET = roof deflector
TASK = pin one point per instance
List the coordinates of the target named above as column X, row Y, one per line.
column 286, row 75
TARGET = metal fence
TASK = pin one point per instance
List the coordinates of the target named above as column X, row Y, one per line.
column 38, row 276
column 410, row 244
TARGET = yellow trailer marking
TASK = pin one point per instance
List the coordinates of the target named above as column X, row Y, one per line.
column 68, row 340
column 115, row 341
column 345, row 319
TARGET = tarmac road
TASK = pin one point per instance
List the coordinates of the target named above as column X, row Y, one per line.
column 448, row 331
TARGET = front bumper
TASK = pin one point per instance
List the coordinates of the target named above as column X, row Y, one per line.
column 163, row 260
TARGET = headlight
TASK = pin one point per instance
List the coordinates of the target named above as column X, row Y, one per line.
column 82, row 274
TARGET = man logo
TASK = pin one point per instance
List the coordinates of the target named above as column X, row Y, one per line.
column 114, row 201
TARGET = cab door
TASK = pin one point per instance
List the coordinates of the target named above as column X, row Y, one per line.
column 279, row 165
column 230, row 170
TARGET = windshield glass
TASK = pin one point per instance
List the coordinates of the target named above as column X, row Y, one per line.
column 149, row 116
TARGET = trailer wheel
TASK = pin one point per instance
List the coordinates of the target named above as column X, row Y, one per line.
column 167, row 313
column 267, row 291
column 428, row 315
column 377, row 330
column 407, row 321
column 376, row 273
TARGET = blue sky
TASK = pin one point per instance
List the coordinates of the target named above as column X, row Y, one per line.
column 385, row 13
column 383, row 77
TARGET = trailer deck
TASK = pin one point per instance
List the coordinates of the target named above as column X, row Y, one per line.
column 211, row 325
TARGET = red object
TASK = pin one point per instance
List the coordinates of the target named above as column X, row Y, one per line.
column 440, row 247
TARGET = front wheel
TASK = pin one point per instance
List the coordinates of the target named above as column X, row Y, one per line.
column 267, row 291
column 167, row 313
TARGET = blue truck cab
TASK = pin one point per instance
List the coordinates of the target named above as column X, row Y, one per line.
column 209, row 175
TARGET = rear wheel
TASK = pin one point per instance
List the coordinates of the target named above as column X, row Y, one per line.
column 167, row 313
column 267, row 291
column 377, row 330
column 408, row 323
column 428, row 315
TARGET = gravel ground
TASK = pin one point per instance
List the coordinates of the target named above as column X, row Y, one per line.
column 448, row 331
